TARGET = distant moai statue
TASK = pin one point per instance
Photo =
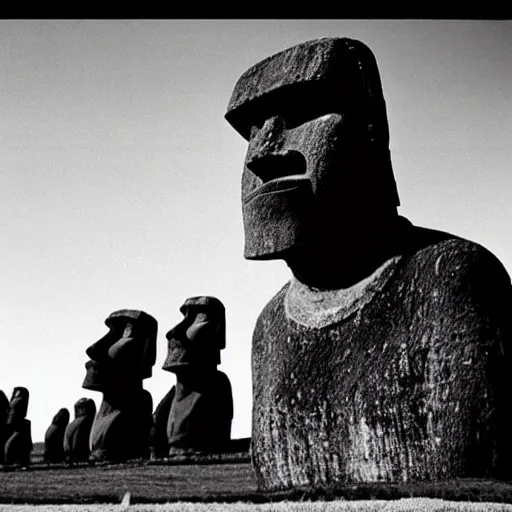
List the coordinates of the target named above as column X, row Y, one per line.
column 388, row 354
column 78, row 432
column 196, row 414
column 54, row 437
column 4, row 414
column 119, row 363
column 18, row 445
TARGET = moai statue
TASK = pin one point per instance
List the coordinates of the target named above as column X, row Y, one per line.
column 78, row 432
column 18, row 445
column 387, row 355
column 196, row 414
column 4, row 414
column 119, row 363
column 54, row 437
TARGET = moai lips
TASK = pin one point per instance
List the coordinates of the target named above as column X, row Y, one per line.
column 387, row 356
column 120, row 360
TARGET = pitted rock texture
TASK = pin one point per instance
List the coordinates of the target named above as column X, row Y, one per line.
column 411, row 386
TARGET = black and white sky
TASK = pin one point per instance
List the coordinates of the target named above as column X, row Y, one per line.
column 120, row 178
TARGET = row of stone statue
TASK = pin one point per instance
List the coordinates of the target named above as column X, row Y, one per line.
column 194, row 416
column 387, row 356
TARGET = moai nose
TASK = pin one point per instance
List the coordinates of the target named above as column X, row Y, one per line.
column 264, row 142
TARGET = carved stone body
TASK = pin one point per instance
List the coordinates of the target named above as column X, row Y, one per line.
column 4, row 414
column 387, row 356
column 54, row 437
column 403, row 379
column 119, row 362
column 196, row 414
column 78, row 432
column 18, row 445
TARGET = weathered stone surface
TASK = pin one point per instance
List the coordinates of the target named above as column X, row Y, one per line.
column 78, row 432
column 54, row 437
column 119, row 362
column 199, row 337
column 201, row 412
column 388, row 354
column 4, row 414
column 159, row 442
column 18, row 443
column 196, row 414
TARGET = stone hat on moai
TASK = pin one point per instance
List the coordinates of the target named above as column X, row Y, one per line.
column 297, row 158
column 128, row 348
column 199, row 337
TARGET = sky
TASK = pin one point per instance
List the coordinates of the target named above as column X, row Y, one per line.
column 120, row 178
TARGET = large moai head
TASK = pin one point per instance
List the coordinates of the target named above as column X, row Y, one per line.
column 197, row 340
column 18, row 405
column 125, row 355
column 315, row 119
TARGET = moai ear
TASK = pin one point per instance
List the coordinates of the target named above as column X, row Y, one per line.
column 221, row 328
column 145, row 332
column 149, row 351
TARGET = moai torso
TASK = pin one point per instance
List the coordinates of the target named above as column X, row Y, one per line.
column 403, row 379
column 18, row 445
column 4, row 414
column 196, row 414
column 54, row 437
column 78, row 432
column 387, row 355
column 119, row 362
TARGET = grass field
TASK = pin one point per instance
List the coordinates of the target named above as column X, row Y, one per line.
column 228, row 485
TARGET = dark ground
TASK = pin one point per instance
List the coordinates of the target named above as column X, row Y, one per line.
column 229, row 480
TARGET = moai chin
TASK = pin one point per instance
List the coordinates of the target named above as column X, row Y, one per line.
column 386, row 357
column 54, row 437
column 119, row 362
column 78, row 432
column 196, row 414
column 18, row 445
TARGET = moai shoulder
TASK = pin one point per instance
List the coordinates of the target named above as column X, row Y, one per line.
column 387, row 355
